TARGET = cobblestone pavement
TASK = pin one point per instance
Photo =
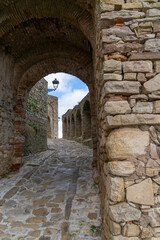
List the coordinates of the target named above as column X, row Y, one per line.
column 52, row 197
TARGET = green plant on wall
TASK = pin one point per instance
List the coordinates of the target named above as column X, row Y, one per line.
column 32, row 105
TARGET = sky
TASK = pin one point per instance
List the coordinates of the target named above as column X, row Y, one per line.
column 70, row 92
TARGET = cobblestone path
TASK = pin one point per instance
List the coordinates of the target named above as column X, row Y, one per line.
column 52, row 197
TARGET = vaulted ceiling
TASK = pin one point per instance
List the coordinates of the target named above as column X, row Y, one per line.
column 24, row 25
column 33, row 31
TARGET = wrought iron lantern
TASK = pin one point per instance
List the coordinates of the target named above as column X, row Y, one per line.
column 55, row 84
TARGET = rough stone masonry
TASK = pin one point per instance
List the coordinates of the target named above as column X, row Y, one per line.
column 114, row 47
column 36, row 119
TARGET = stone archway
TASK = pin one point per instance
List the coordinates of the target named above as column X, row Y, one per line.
column 62, row 46
column 114, row 47
column 78, row 125
column 72, row 127
column 68, row 128
column 86, row 115
column 65, row 128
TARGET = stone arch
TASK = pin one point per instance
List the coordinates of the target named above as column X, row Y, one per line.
column 28, row 79
column 18, row 14
column 72, row 127
column 68, row 127
column 86, row 115
column 44, row 37
column 78, row 124
column 65, row 128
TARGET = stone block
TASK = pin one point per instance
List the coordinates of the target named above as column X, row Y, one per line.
column 126, row 142
column 137, row 66
column 109, row 39
column 156, row 107
column 123, row 212
column 125, row 14
column 115, row 228
column 106, row 7
column 143, row 107
column 112, row 66
column 121, row 47
column 157, row 66
column 124, row 238
column 141, row 193
column 131, row 230
column 141, row 77
column 118, row 31
column 153, row 151
column 157, row 180
column 145, row 56
column 146, row 233
column 125, row 87
column 112, row 77
column 151, row 172
column 121, row 168
column 156, row 232
column 156, row 27
column 132, row 120
column 152, row 45
column 154, row 217
column 130, row 76
column 153, row 12
column 133, row 5
column 139, row 97
column 117, row 107
column 153, row 84
column 115, row 188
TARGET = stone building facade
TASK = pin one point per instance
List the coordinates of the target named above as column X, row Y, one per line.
column 52, row 125
column 77, row 122
column 114, row 47
column 36, row 119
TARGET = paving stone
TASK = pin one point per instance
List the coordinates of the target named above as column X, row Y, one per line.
column 40, row 212
column 11, row 193
column 49, row 198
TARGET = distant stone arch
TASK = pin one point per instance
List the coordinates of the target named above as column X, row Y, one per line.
column 78, row 124
column 68, row 128
column 72, row 126
column 65, row 128
column 86, row 120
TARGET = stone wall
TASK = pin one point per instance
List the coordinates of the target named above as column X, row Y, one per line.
column 36, row 119
column 6, row 113
column 128, row 93
column 52, row 125
column 114, row 47
column 77, row 123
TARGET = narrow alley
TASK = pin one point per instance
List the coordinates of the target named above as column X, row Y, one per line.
column 52, row 197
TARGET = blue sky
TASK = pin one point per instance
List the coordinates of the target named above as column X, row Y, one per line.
column 71, row 90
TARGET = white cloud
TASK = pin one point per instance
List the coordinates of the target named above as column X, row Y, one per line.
column 64, row 81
